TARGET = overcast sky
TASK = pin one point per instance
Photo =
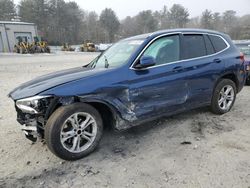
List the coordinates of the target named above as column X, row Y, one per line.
column 125, row 8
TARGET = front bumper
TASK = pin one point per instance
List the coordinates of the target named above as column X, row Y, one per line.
column 31, row 125
column 31, row 132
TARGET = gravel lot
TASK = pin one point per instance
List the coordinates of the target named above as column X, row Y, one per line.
column 150, row 155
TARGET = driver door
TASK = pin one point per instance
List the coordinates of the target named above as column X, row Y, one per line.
column 162, row 88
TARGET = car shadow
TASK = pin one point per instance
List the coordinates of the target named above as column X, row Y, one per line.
column 128, row 141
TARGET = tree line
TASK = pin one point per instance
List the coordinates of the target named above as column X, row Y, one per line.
column 59, row 21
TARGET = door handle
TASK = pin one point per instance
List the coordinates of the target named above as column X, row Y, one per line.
column 217, row 60
column 178, row 68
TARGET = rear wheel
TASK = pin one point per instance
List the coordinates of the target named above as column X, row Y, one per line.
column 223, row 97
column 73, row 131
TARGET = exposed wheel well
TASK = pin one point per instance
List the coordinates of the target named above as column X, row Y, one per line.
column 106, row 113
column 233, row 78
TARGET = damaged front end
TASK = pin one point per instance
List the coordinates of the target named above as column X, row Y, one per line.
column 31, row 114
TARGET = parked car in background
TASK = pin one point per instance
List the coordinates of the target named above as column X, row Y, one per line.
column 244, row 47
column 137, row 79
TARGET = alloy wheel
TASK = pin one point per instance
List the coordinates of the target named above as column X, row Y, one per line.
column 226, row 97
column 78, row 132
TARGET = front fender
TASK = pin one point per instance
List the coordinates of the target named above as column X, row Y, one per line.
column 121, row 114
column 120, row 104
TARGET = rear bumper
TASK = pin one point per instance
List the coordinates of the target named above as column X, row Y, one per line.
column 242, row 82
column 243, row 75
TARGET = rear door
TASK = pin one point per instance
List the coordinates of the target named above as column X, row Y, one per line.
column 203, row 67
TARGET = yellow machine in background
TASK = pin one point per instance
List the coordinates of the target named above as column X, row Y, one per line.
column 88, row 47
column 67, row 47
column 44, row 48
column 38, row 46
column 21, row 47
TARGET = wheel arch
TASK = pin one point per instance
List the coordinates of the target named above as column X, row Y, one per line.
column 107, row 111
column 110, row 114
column 231, row 76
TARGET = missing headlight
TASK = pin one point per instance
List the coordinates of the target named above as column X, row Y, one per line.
column 31, row 105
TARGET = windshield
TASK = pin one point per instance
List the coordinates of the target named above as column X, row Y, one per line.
column 117, row 55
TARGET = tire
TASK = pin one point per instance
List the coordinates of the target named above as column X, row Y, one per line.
column 216, row 105
column 47, row 50
column 21, row 51
column 64, row 119
column 33, row 50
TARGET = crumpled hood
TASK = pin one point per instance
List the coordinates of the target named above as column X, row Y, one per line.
column 51, row 80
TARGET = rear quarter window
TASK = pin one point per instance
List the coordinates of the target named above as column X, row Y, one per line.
column 209, row 46
column 218, row 43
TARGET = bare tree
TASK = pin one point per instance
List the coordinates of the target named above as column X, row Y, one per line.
column 128, row 27
column 217, row 21
column 145, row 22
column 207, row 19
column 57, row 20
column 35, row 11
column 163, row 18
column 179, row 16
column 244, row 30
column 63, row 21
column 229, row 19
column 194, row 22
column 110, row 23
column 7, row 10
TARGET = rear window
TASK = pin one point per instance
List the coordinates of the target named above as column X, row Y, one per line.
column 218, row 43
column 194, row 46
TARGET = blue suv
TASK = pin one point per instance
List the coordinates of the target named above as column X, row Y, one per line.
column 136, row 80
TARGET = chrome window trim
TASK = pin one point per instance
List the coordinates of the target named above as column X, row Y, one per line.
column 174, row 62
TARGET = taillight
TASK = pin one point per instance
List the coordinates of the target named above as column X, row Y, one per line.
column 246, row 63
column 242, row 57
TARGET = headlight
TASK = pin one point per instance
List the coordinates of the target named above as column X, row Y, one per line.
column 30, row 105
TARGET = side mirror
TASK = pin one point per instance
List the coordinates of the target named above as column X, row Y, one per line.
column 145, row 61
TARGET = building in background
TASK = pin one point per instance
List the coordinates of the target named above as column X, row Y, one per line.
column 11, row 31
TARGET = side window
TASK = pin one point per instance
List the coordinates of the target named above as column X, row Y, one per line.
column 218, row 43
column 209, row 46
column 194, row 46
column 164, row 50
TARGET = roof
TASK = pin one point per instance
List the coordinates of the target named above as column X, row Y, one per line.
column 160, row 32
column 16, row 23
column 186, row 30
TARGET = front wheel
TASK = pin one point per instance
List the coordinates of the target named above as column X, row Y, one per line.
column 73, row 131
column 224, row 96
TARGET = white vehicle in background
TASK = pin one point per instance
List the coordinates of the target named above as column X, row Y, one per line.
column 103, row 47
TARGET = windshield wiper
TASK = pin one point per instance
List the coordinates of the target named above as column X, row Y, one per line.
column 106, row 62
column 94, row 62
